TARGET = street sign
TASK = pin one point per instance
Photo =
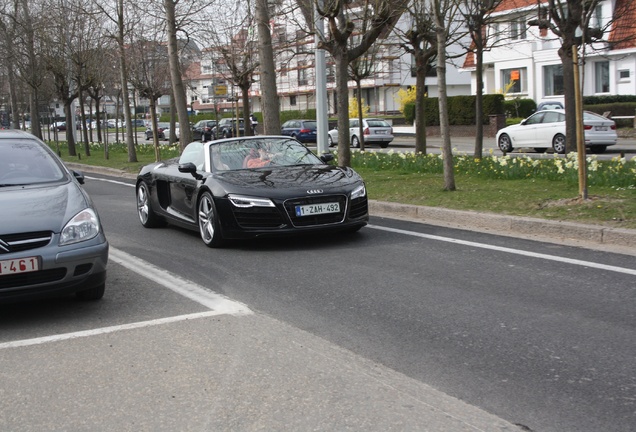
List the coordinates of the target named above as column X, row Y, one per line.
column 220, row 90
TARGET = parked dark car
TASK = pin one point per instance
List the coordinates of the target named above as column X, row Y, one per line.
column 303, row 130
column 161, row 127
column 227, row 128
column 215, row 189
column 51, row 238
column 202, row 130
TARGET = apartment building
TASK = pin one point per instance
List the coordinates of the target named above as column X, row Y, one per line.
column 210, row 88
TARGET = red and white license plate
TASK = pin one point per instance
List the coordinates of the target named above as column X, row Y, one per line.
column 20, row 265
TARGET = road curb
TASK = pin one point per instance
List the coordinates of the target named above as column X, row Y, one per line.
column 548, row 230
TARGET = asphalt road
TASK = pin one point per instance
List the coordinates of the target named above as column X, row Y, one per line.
column 402, row 326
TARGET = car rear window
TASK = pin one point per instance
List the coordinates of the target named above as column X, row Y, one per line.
column 378, row 123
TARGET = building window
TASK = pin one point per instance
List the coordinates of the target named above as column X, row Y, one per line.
column 514, row 80
column 553, row 80
column 601, row 77
column 598, row 16
column 518, row 29
column 331, row 73
column 302, row 74
column 623, row 74
column 292, row 100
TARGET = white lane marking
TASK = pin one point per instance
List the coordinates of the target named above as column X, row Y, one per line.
column 197, row 293
column 219, row 305
column 105, row 330
column 510, row 250
column 110, row 181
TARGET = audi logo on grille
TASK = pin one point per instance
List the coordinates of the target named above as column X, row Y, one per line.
column 314, row 191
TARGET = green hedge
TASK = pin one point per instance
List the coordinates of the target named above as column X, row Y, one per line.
column 461, row 109
column 520, row 107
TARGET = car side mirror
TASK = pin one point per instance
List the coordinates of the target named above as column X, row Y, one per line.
column 191, row 168
column 523, row 122
column 326, row 158
column 79, row 176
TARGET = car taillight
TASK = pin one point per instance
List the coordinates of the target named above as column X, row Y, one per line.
column 587, row 127
column 613, row 127
column 366, row 131
column 305, row 130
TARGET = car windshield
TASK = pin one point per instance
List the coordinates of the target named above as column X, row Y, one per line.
column 237, row 154
column 25, row 162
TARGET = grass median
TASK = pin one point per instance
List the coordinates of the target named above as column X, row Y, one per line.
column 541, row 187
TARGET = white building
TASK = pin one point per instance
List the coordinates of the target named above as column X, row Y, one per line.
column 526, row 58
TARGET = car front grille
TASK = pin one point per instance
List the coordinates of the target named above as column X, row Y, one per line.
column 258, row 217
column 32, row 278
column 320, row 219
column 11, row 243
column 359, row 208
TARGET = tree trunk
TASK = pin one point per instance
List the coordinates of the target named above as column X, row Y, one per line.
column 270, row 104
column 479, row 103
column 342, row 82
column 565, row 53
column 84, row 129
column 123, row 75
column 360, row 115
column 155, row 133
column 449, row 175
column 175, row 74
column 70, row 133
column 420, row 103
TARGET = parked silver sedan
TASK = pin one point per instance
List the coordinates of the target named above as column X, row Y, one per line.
column 374, row 131
column 51, row 238
column 546, row 128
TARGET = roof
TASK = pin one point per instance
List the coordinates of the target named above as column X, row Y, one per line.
column 624, row 30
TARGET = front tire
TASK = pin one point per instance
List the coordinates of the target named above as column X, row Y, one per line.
column 558, row 143
column 504, row 143
column 355, row 142
column 330, row 140
column 147, row 215
column 209, row 225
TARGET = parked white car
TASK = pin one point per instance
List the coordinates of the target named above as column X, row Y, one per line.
column 375, row 131
column 166, row 132
column 546, row 128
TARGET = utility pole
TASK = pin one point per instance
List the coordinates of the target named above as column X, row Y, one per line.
column 580, row 145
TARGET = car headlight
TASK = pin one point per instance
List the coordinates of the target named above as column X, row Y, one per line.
column 359, row 192
column 83, row 226
column 246, row 201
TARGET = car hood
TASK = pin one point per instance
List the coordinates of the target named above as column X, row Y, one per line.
column 40, row 207
column 286, row 180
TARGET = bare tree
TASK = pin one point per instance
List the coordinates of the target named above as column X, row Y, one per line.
column 421, row 42
column 269, row 101
column 149, row 75
column 341, row 17
column 477, row 16
column 445, row 13
column 360, row 69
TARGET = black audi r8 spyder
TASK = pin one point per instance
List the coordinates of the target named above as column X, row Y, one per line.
column 247, row 187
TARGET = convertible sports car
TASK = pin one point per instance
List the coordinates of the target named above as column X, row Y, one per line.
column 248, row 187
